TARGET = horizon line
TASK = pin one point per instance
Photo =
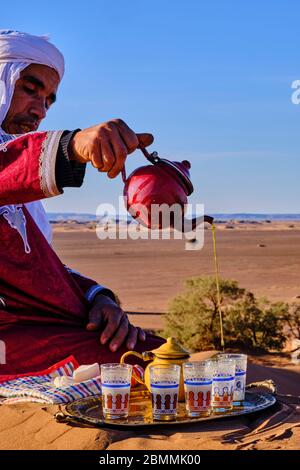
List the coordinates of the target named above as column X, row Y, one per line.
column 212, row 213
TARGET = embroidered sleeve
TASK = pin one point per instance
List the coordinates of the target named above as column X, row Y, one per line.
column 27, row 167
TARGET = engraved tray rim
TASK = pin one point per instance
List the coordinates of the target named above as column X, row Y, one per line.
column 265, row 400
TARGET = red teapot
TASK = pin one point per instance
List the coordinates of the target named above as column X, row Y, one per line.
column 164, row 182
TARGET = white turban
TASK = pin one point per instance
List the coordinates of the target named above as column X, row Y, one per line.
column 17, row 51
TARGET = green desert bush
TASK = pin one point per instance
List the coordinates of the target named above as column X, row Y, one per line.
column 193, row 317
column 256, row 324
column 292, row 320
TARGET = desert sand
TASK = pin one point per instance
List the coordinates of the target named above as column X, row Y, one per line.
column 146, row 274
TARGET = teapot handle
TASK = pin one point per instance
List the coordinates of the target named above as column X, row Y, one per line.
column 152, row 157
column 124, row 178
column 122, row 361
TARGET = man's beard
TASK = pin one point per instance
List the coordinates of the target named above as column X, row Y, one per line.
column 20, row 125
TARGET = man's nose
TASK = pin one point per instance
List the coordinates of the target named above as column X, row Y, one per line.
column 38, row 109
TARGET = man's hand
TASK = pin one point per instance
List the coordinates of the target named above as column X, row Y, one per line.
column 107, row 316
column 107, row 145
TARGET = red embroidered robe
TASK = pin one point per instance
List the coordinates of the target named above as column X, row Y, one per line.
column 43, row 306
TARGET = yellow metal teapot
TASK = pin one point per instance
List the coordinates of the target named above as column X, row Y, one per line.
column 168, row 353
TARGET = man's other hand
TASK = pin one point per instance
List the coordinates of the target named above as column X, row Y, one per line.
column 107, row 145
column 107, row 316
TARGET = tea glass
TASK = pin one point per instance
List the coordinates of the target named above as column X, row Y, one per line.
column 198, row 387
column 223, row 384
column 115, row 384
column 164, row 383
column 240, row 375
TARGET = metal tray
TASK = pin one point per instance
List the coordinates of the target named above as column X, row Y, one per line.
column 89, row 411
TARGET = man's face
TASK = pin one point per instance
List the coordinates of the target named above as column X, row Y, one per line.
column 35, row 92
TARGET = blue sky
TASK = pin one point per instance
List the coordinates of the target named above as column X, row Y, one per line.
column 210, row 79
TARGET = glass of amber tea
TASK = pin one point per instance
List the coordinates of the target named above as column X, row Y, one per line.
column 115, row 384
column 198, row 387
column 164, row 382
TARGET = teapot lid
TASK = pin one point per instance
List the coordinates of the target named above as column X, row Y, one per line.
column 171, row 348
column 181, row 168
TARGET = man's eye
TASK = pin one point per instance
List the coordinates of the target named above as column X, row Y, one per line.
column 28, row 90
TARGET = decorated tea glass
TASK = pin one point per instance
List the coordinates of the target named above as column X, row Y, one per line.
column 164, row 383
column 115, row 383
column 223, row 384
column 198, row 387
column 240, row 375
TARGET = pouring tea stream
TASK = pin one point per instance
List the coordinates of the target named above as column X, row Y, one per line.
column 165, row 182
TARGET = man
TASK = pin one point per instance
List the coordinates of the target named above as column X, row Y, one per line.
column 48, row 311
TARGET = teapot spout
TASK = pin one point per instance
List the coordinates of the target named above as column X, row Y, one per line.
column 209, row 219
column 191, row 224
